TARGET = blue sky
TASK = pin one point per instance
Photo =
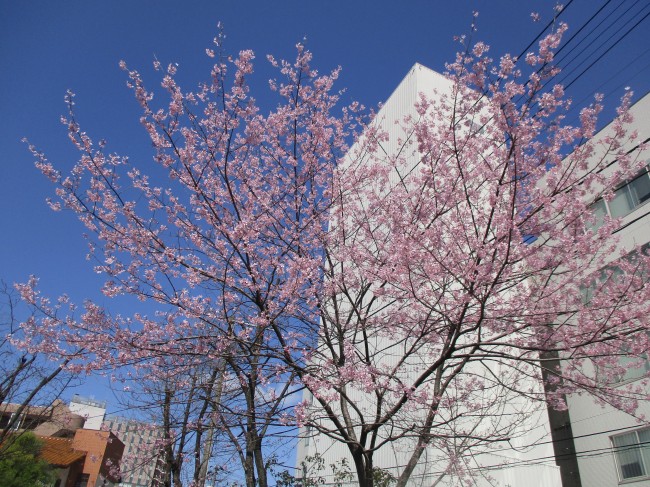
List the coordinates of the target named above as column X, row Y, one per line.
column 48, row 47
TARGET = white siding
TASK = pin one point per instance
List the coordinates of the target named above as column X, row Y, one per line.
column 593, row 424
column 535, row 466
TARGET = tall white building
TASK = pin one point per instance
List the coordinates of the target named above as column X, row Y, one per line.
column 598, row 445
column 517, row 462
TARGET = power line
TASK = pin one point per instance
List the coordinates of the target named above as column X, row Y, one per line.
column 580, row 30
column 608, row 50
column 616, row 74
column 526, row 462
column 592, row 31
column 549, row 24
column 599, row 57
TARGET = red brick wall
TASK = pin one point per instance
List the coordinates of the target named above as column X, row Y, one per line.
column 101, row 446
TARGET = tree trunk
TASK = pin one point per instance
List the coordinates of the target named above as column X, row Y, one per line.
column 215, row 399
column 249, row 469
column 259, row 464
column 363, row 464
column 403, row 479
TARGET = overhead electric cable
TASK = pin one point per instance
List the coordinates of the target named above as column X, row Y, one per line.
column 580, row 103
column 575, row 34
column 560, row 59
column 608, row 50
column 550, row 23
column 600, row 57
column 545, row 460
column 631, row 29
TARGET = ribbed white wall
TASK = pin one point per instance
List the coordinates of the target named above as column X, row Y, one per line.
column 594, row 424
column 542, row 473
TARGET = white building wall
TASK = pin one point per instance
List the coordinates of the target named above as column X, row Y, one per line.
column 90, row 409
column 592, row 424
column 593, row 427
column 530, row 466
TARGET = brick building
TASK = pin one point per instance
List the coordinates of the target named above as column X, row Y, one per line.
column 89, row 459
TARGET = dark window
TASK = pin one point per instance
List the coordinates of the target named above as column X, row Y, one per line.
column 82, row 480
column 632, row 452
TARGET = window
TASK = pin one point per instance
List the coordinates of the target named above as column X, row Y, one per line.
column 632, row 368
column 631, row 365
column 627, row 369
column 600, row 281
column 626, row 198
column 599, row 210
column 82, row 480
column 632, row 452
column 631, row 195
column 612, row 273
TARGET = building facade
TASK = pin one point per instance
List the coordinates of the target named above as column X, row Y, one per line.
column 90, row 409
column 608, row 446
column 516, row 461
column 141, row 456
column 56, row 420
column 81, row 456
column 141, row 463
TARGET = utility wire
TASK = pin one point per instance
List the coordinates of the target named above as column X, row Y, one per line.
column 608, row 50
column 592, row 31
column 580, row 30
column 566, row 43
column 599, row 57
column 549, row 24
column 615, row 75
column 548, row 460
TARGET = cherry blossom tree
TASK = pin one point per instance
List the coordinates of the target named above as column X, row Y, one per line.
column 413, row 291
column 210, row 416
column 29, row 375
column 457, row 270
column 230, row 251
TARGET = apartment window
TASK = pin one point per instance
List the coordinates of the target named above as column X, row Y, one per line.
column 632, row 452
column 601, row 279
column 628, row 368
column 599, row 210
column 626, row 198
column 632, row 368
column 612, row 273
column 631, row 194
column 308, row 434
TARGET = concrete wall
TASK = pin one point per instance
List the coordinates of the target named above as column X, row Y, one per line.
column 503, row 467
column 594, row 424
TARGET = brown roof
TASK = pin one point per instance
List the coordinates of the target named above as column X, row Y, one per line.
column 59, row 452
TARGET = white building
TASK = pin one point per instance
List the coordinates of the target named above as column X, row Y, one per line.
column 610, row 447
column 92, row 410
column 524, row 460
